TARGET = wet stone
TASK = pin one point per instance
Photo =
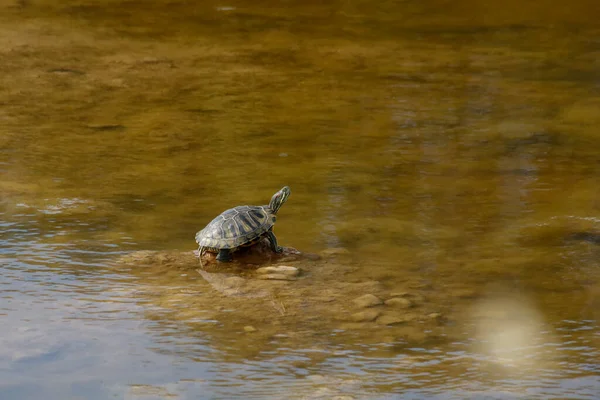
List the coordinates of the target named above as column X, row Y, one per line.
column 399, row 302
column 280, row 269
column 365, row 316
column 368, row 300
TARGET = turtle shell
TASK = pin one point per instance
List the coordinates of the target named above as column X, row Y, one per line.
column 236, row 227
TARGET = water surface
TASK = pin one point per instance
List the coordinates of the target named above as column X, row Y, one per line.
column 447, row 149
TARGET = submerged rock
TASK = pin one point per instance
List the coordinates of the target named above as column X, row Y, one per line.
column 365, row 316
column 368, row 300
column 272, row 299
column 399, row 302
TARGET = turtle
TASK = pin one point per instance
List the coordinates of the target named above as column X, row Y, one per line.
column 240, row 227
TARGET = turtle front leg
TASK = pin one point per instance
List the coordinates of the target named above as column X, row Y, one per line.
column 273, row 240
column 200, row 250
column 224, row 255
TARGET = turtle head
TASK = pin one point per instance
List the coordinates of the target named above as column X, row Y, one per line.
column 279, row 198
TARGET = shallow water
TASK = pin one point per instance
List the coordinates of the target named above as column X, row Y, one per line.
column 445, row 150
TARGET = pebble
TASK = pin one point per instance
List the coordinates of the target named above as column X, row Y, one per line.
column 280, row 269
column 249, row 328
column 365, row 316
column 399, row 302
column 368, row 300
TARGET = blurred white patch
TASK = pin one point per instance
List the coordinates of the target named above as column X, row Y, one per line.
column 511, row 332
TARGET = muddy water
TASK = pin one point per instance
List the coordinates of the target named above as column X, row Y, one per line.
column 444, row 153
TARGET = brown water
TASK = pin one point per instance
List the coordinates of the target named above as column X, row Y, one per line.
column 448, row 149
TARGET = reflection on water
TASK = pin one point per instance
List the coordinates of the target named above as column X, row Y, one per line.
column 443, row 158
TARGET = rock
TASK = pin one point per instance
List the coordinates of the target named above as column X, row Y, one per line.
column 249, row 328
column 342, row 397
column 277, row 277
column 368, row 300
column 399, row 302
column 280, row 269
column 365, row 316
